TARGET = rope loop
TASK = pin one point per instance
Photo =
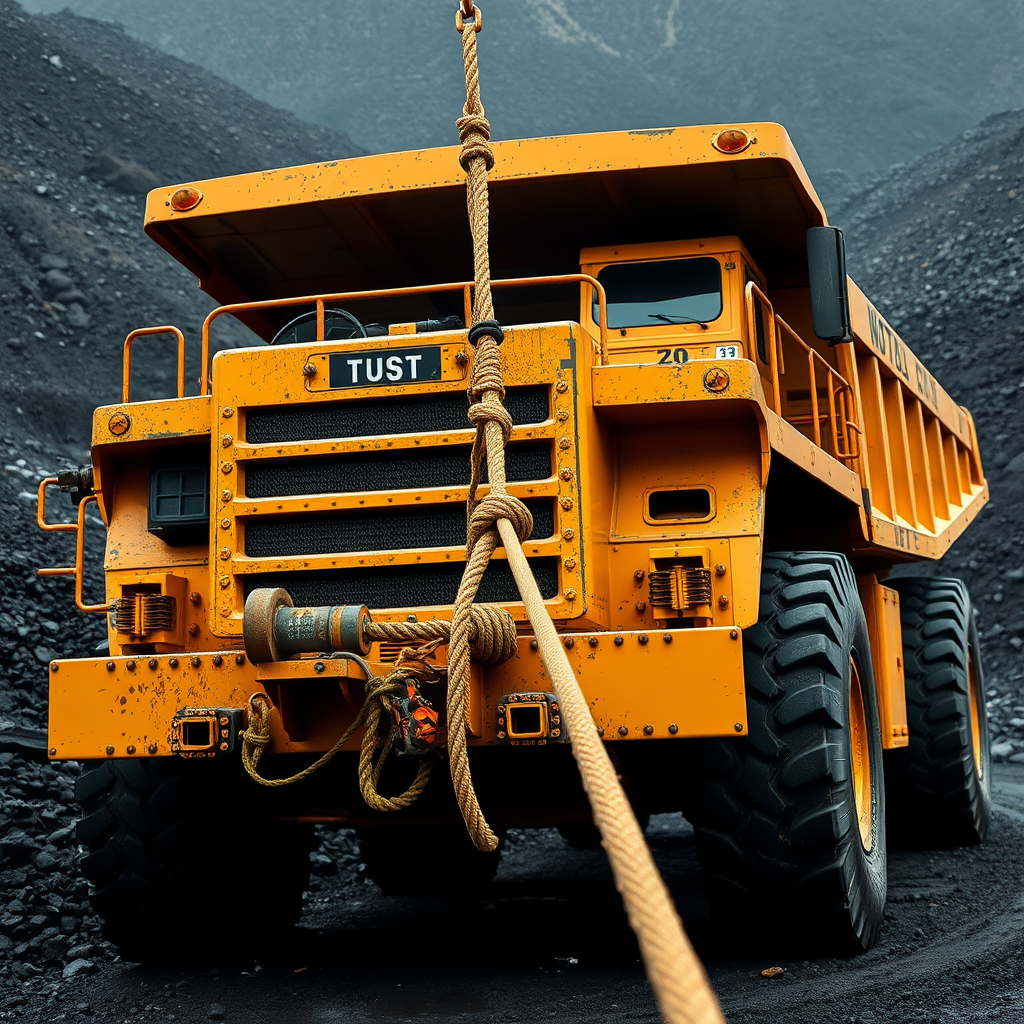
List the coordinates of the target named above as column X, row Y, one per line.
column 492, row 412
column 467, row 9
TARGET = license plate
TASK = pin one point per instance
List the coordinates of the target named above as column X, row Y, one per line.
column 380, row 367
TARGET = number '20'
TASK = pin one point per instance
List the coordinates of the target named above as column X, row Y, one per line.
column 672, row 355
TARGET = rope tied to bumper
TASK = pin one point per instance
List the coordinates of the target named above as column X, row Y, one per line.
column 378, row 735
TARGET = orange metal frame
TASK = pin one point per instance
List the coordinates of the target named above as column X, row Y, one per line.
column 844, row 431
column 466, row 287
column 76, row 570
column 126, row 373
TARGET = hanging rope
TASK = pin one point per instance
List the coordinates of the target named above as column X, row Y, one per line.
column 676, row 975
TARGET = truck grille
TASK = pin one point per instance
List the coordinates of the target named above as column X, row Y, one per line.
column 388, row 470
column 403, row 586
column 386, row 529
column 405, row 414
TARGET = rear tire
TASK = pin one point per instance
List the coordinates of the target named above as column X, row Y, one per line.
column 427, row 860
column 939, row 786
column 174, row 851
column 789, row 821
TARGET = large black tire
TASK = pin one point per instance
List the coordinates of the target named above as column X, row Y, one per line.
column 426, row 860
column 174, row 851
column 789, row 821
column 939, row 786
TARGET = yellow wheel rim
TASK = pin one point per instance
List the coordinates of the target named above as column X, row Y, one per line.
column 860, row 758
column 975, row 704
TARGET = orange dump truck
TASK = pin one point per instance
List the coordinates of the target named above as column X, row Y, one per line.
column 725, row 447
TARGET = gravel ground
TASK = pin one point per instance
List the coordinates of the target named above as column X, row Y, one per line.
column 936, row 244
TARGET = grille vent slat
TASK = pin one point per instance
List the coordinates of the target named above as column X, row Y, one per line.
column 373, row 530
column 403, row 586
column 417, row 468
column 404, row 414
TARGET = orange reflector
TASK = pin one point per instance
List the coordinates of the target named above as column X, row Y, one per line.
column 732, row 140
column 186, row 199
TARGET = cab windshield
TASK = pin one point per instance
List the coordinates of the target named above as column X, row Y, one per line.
column 663, row 291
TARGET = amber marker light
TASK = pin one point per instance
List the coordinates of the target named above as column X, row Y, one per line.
column 186, row 199
column 732, row 140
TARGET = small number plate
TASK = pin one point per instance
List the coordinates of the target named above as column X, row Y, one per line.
column 727, row 352
column 380, row 367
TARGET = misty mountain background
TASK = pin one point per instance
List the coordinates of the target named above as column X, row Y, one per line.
column 860, row 85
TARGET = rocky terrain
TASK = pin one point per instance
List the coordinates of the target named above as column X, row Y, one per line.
column 89, row 119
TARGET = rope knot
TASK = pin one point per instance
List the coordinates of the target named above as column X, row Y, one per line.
column 493, row 507
column 474, row 134
column 492, row 634
column 491, row 412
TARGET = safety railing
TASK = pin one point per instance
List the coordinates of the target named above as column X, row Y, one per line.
column 466, row 287
column 839, row 417
column 126, row 369
column 78, row 569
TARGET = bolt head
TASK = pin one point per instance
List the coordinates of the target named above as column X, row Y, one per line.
column 195, row 662
column 642, row 638
column 618, row 641
column 569, row 642
column 534, row 645
column 309, row 370
column 130, row 665
column 723, row 601
column 110, row 750
column 568, row 533
column 130, row 749
column 173, row 662
column 566, row 502
column 227, row 441
column 623, row 731
column 667, row 637
column 151, row 749
column 673, row 729
column 570, row 594
column 738, row 727
column 53, row 751
column 638, row 575
column 319, row 667
column 600, row 731
column 720, row 569
column 734, row 634
column 648, row 730
column 227, row 412
column 223, row 746
column 225, row 495
column 641, row 606
column 225, row 554
column 217, row 659
column 226, row 467
column 593, row 641
column 565, row 473
column 562, row 386
column 110, row 666
column 54, row 666
column 193, row 629
column 239, row 659
column 152, row 663
column 224, row 582
column 564, row 443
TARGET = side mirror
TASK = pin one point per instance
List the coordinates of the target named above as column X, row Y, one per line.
column 830, row 298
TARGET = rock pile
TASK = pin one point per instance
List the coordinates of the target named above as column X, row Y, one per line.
column 939, row 247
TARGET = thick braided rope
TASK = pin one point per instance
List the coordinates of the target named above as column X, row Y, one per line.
column 492, row 633
column 676, row 975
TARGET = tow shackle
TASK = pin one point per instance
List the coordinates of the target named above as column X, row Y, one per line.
column 274, row 629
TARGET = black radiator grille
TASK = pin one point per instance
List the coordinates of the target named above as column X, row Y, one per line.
column 403, row 586
column 403, row 414
column 415, row 468
column 385, row 529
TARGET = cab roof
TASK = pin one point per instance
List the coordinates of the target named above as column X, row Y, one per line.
column 399, row 219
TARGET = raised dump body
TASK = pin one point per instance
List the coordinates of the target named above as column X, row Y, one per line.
column 717, row 493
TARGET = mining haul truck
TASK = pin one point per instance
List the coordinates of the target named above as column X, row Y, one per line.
column 726, row 450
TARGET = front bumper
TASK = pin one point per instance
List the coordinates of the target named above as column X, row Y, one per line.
column 658, row 684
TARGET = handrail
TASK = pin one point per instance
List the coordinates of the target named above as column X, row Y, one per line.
column 844, row 431
column 78, row 569
column 126, row 373
column 464, row 286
